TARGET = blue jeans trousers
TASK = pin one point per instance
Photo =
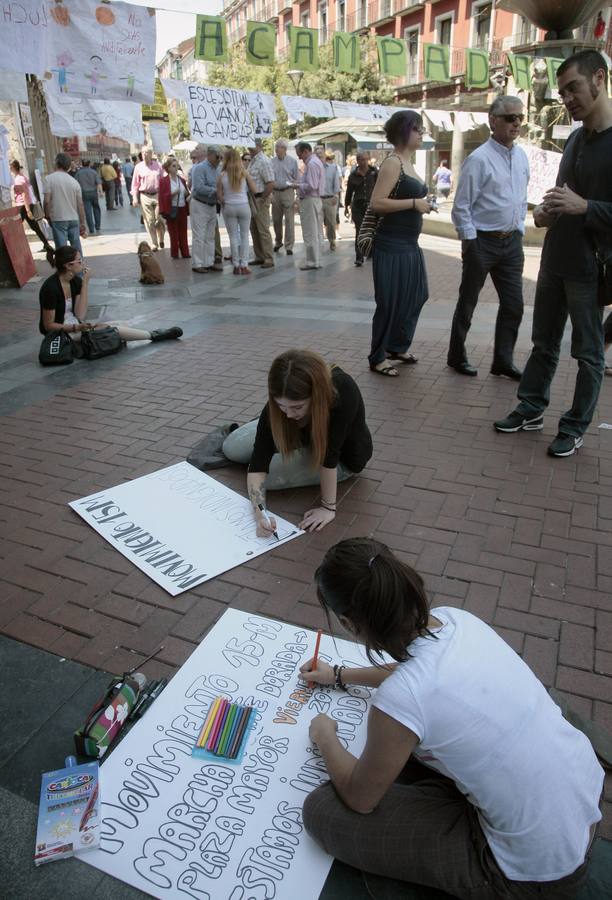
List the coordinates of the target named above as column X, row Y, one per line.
column 66, row 233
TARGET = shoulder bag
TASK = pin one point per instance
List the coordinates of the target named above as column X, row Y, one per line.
column 56, row 349
column 99, row 342
column 371, row 223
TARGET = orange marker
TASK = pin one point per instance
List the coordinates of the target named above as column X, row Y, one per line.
column 316, row 655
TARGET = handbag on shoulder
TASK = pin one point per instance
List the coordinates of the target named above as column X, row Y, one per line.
column 56, row 349
column 371, row 223
column 99, row 342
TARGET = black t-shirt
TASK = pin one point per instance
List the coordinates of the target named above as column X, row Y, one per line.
column 586, row 167
column 51, row 296
column 348, row 438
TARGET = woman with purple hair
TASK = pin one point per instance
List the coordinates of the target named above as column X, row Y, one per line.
column 400, row 280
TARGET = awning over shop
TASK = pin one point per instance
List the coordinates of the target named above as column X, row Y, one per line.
column 439, row 118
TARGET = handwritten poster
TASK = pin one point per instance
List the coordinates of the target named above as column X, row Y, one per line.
column 543, row 168
column 24, row 29
column 104, row 51
column 220, row 115
column 70, row 116
column 177, row 827
column 179, row 526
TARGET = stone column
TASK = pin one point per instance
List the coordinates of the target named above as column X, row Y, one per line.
column 457, row 153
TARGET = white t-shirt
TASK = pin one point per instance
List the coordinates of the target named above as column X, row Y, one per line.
column 231, row 197
column 177, row 192
column 65, row 193
column 484, row 720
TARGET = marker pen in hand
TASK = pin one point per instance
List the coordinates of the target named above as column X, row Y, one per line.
column 260, row 507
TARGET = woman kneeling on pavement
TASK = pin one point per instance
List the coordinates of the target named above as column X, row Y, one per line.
column 311, row 431
column 471, row 781
column 64, row 299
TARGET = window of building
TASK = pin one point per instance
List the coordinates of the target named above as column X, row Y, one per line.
column 363, row 13
column 527, row 31
column 411, row 36
column 323, row 23
column 305, row 19
column 481, row 24
column 341, row 15
column 444, row 29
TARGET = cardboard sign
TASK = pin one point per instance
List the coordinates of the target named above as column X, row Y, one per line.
column 179, row 526
column 543, row 170
column 220, row 115
column 176, row 826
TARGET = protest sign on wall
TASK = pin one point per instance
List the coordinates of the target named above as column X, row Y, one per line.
column 543, row 169
column 260, row 43
column 220, row 115
column 205, row 528
column 176, row 826
column 103, row 51
column 70, row 116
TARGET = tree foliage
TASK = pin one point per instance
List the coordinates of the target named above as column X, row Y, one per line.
column 178, row 123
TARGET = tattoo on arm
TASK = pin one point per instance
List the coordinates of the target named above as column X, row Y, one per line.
column 257, row 495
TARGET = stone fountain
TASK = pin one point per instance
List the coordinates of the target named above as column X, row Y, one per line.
column 558, row 17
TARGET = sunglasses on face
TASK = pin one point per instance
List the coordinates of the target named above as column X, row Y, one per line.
column 513, row 118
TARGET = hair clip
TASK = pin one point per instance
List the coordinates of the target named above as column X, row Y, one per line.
column 371, row 560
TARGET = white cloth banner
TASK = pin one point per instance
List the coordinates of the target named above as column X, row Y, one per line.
column 298, row 107
column 70, row 116
column 543, row 169
column 263, row 109
column 176, row 826
column 175, row 89
column 160, row 137
column 220, row 115
column 13, row 86
column 24, row 30
column 205, row 529
column 5, row 171
column 106, row 51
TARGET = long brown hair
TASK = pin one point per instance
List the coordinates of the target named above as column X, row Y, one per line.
column 233, row 168
column 301, row 375
column 383, row 598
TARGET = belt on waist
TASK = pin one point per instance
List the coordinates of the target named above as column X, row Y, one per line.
column 150, row 193
column 260, row 194
column 327, row 196
column 497, row 234
column 288, row 188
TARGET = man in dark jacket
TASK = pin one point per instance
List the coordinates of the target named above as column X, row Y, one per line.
column 359, row 189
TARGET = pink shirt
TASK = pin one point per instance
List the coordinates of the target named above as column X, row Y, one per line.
column 312, row 182
column 21, row 184
column 145, row 179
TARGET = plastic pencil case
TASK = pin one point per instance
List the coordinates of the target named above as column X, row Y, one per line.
column 201, row 753
column 106, row 719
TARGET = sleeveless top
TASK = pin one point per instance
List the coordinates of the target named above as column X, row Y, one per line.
column 231, row 197
column 406, row 223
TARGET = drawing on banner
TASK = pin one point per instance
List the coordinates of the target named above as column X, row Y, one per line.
column 94, row 50
column 176, row 825
column 85, row 116
column 219, row 114
column 263, row 109
column 206, row 528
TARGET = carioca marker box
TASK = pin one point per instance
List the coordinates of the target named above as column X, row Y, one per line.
column 69, row 814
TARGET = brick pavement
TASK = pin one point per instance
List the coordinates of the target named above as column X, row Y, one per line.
column 493, row 524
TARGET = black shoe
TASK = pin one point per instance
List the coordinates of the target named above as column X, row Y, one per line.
column 358, row 262
column 50, row 254
column 464, row 368
column 289, row 252
column 167, row 334
column 516, row 421
column 564, row 445
column 161, row 245
column 507, row 371
column 256, row 262
column 277, row 247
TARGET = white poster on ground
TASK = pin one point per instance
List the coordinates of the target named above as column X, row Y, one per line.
column 179, row 526
column 102, row 50
column 543, row 169
column 175, row 826
column 70, row 116
column 220, row 115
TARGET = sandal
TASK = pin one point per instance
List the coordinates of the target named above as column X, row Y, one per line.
column 405, row 359
column 389, row 371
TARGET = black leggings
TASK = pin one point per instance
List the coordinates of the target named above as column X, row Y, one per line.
column 607, row 327
column 34, row 226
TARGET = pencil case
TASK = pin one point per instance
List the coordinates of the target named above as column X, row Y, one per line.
column 107, row 717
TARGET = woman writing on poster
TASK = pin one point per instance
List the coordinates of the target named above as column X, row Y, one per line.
column 311, row 431
column 471, row 781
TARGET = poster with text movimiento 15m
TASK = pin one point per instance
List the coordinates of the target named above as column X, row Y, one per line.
column 180, row 827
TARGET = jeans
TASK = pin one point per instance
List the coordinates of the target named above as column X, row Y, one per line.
column 237, row 221
column 67, row 233
column 503, row 259
column 92, row 210
column 555, row 299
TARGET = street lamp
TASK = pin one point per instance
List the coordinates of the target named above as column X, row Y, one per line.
column 296, row 76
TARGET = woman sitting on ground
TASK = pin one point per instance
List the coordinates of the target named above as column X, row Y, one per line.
column 500, row 797
column 64, row 298
column 311, row 431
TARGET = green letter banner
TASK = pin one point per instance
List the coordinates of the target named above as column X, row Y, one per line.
column 304, row 48
column 521, row 70
column 260, row 43
column 347, row 53
column 552, row 64
column 436, row 62
column 392, row 55
column 211, row 38
column 476, row 69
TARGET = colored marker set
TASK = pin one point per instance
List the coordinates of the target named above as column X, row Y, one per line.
column 225, row 731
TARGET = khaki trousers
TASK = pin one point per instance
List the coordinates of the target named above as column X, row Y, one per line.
column 153, row 222
column 330, row 205
column 260, row 229
column 310, row 217
column 282, row 208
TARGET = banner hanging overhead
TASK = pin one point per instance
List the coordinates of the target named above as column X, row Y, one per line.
column 263, row 110
column 86, row 117
column 220, row 115
column 436, row 62
column 347, row 53
column 175, row 89
column 13, row 87
column 158, row 110
column 304, row 48
column 24, row 29
column 392, row 56
column 521, row 70
column 552, row 64
column 103, row 51
column 160, row 139
column 211, row 38
column 260, row 43
column 476, row 69
column 298, row 107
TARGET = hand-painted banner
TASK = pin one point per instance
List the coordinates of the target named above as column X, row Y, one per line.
column 260, row 43
column 521, row 70
column 552, row 64
column 211, row 38
column 102, row 51
column 220, row 115
column 87, row 117
column 24, row 28
column 476, row 69
column 347, row 53
column 13, row 86
column 158, row 110
column 263, row 109
column 367, row 112
column 160, row 139
column 304, row 48
column 298, row 107
column 436, row 62
column 392, row 56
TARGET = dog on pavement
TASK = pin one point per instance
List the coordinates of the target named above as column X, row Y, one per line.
column 150, row 272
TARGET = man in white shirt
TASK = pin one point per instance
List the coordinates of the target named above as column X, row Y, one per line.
column 283, row 196
column 489, row 215
column 64, row 205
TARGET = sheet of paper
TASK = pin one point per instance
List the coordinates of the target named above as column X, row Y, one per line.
column 179, row 526
column 176, row 826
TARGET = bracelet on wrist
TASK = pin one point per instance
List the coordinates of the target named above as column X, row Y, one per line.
column 338, row 678
column 330, row 506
